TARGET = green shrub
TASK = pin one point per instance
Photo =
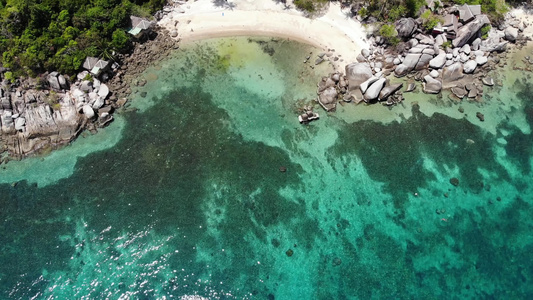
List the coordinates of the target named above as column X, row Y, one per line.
column 447, row 44
column 413, row 6
column 88, row 77
column 53, row 100
column 9, row 76
column 363, row 12
column 485, row 31
column 397, row 12
column 306, row 5
column 389, row 33
column 429, row 20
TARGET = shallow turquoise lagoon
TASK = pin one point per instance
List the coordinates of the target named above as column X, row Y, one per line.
column 183, row 195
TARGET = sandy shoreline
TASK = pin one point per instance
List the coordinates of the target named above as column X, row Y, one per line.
column 334, row 30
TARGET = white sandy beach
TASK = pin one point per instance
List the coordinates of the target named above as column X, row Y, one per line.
column 334, row 30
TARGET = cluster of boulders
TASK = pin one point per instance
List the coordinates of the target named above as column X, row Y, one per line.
column 458, row 60
column 33, row 119
column 49, row 113
column 364, row 81
column 442, row 64
column 89, row 97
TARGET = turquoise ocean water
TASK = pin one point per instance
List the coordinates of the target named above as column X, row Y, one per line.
column 183, row 196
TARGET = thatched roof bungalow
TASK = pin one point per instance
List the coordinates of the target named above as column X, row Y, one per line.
column 139, row 26
column 90, row 62
column 96, row 66
column 468, row 12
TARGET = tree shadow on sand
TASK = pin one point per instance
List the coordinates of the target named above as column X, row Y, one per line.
column 224, row 4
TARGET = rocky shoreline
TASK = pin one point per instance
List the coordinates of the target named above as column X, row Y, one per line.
column 462, row 65
column 42, row 114
column 38, row 115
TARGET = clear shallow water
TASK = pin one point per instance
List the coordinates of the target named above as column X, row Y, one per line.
column 190, row 200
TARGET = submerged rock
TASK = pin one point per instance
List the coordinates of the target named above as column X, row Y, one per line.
column 410, row 87
column 488, row 81
column 459, row 92
column 454, row 181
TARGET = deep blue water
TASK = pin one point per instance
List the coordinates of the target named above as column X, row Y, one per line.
column 189, row 200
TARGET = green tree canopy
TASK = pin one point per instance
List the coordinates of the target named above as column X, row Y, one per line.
column 41, row 35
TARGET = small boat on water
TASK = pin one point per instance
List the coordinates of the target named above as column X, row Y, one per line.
column 307, row 117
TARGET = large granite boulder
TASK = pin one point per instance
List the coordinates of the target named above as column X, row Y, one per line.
column 405, row 27
column 469, row 66
column 476, row 43
column 98, row 103
column 499, row 47
column 103, row 91
column 5, row 103
column 20, row 122
column 325, row 83
column 459, row 91
column 328, row 98
column 62, row 82
column 465, row 49
column 86, row 86
column 364, row 86
column 481, row 60
column 470, row 30
column 488, row 81
column 45, row 126
column 372, row 93
column 6, row 119
column 432, row 85
column 357, row 73
column 511, row 34
column 389, row 90
column 88, row 111
column 401, row 70
column 365, row 53
column 53, row 81
column 423, row 62
column 452, row 73
column 410, row 62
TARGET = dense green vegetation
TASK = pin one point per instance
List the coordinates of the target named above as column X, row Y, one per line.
column 45, row 35
column 309, row 5
column 389, row 33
